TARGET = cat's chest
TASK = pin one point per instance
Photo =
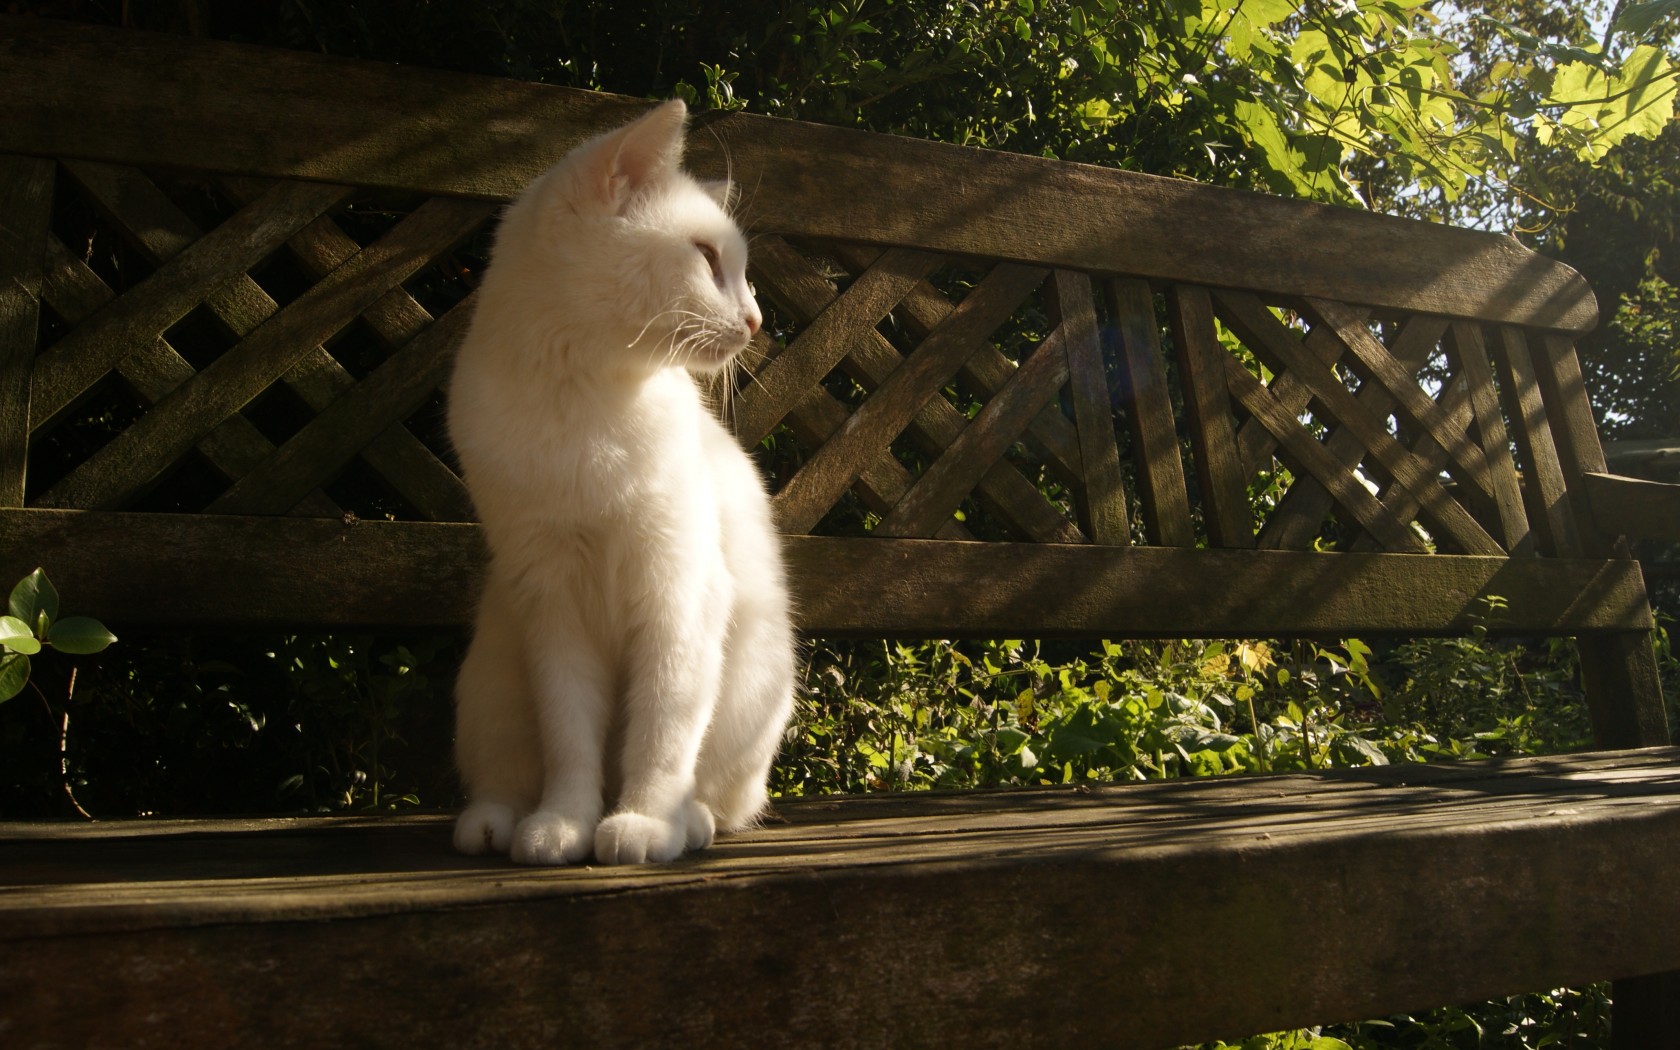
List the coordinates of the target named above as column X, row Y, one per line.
column 593, row 457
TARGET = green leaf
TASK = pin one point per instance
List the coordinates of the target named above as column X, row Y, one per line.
column 1638, row 18
column 14, row 675
column 34, row 596
column 16, row 636
column 79, row 635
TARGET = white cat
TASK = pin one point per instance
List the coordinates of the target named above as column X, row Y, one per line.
column 633, row 646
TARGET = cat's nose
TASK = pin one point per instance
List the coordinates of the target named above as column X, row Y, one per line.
column 753, row 318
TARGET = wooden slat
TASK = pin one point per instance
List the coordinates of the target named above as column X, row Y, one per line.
column 1374, row 364
column 1633, row 507
column 1299, row 518
column 160, row 230
column 828, row 336
column 1201, row 368
column 1306, row 456
column 1469, row 350
column 154, row 369
column 1052, row 435
column 807, row 496
column 425, row 573
column 26, row 189
column 213, row 932
column 119, row 95
column 1544, row 486
column 958, row 470
column 1102, row 491
column 1160, row 470
column 146, row 310
column 884, row 482
column 1266, row 336
column 406, row 464
column 132, row 460
column 392, row 392
column 796, row 286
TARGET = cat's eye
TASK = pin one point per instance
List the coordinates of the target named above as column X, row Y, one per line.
column 712, row 259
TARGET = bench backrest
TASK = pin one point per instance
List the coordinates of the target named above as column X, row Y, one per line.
column 233, row 278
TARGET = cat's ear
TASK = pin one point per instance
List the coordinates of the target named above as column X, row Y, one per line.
column 642, row 153
column 724, row 191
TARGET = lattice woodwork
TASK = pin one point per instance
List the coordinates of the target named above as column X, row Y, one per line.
column 241, row 346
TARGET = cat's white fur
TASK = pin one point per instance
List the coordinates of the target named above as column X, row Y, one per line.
column 632, row 666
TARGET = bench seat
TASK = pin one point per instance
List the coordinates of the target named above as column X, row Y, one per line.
column 901, row 920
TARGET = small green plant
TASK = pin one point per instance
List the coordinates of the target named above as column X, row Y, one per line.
column 32, row 623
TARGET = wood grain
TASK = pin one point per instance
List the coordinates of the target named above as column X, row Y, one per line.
column 1160, row 470
column 86, row 92
column 235, row 446
column 26, row 190
column 317, row 452
column 1544, row 489
column 214, row 932
column 144, row 312
column 797, row 286
column 136, row 457
column 958, row 470
column 1207, row 405
column 1101, row 488
column 1469, row 351
column 425, row 574
column 806, row 497
column 1268, row 338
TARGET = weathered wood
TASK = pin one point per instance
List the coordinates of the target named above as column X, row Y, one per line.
column 1544, row 490
column 26, row 187
column 1160, row 470
column 65, row 371
column 1267, row 337
column 1306, row 456
column 211, row 932
column 378, row 573
column 160, row 231
column 1299, row 518
column 884, row 482
column 406, row 464
column 389, row 394
column 1633, row 507
column 802, row 502
column 133, row 460
column 1219, row 470
column 70, row 87
column 1101, row 489
column 951, row 477
column 796, row 286
column 154, row 369
column 1433, row 422
column 827, row 338
column 1052, row 434
column 1469, row 351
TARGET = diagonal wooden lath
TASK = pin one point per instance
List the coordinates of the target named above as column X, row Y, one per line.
column 154, row 369
column 1283, row 352
column 799, row 288
column 889, row 410
column 160, row 231
column 952, row 476
column 147, row 310
column 136, row 457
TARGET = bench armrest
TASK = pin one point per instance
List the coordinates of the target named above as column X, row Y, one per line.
column 1634, row 507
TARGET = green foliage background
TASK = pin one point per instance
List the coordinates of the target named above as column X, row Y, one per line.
column 1551, row 121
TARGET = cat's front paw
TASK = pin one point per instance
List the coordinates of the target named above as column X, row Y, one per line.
column 483, row 827
column 631, row 838
column 550, row 838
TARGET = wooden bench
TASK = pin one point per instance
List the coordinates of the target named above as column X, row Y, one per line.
column 278, row 283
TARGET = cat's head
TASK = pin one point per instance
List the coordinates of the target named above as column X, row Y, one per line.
column 634, row 263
